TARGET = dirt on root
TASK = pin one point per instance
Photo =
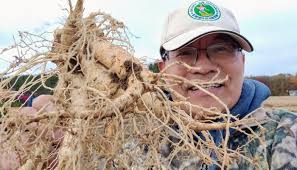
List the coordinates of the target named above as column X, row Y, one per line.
column 283, row 102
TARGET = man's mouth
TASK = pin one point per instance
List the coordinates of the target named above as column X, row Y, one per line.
column 205, row 86
column 212, row 86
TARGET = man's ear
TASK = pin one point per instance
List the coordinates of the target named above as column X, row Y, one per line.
column 161, row 65
column 243, row 57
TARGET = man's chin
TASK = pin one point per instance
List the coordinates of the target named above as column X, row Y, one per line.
column 207, row 101
column 203, row 110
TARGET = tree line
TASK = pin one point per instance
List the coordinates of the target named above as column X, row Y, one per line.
column 31, row 87
column 25, row 81
column 279, row 84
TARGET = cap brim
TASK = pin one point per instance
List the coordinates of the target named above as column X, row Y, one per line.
column 188, row 37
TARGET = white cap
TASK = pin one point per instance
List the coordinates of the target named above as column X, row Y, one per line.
column 185, row 25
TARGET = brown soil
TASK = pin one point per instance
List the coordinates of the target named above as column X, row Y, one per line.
column 283, row 102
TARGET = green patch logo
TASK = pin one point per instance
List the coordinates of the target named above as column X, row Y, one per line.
column 204, row 10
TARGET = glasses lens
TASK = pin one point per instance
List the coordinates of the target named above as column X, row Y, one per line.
column 186, row 55
column 223, row 52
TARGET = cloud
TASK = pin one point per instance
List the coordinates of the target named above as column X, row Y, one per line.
column 273, row 37
column 269, row 24
column 22, row 15
column 268, row 64
column 247, row 9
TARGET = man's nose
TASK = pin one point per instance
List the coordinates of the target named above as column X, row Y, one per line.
column 203, row 64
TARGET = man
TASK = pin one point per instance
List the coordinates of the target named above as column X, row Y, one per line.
column 202, row 43
column 206, row 38
column 213, row 45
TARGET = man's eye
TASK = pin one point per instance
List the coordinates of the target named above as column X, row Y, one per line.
column 220, row 49
column 184, row 54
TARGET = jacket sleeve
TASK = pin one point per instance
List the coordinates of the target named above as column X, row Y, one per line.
column 284, row 146
column 278, row 149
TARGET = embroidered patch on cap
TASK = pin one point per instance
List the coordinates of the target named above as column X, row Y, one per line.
column 204, row 10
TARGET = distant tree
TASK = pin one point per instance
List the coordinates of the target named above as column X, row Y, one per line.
column 263, row 79
column 154, row 67
column 23, row 82
column 278, row 84
column 293, row 82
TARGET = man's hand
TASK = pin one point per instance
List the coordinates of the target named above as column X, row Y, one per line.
column 10, row 159
column 42, row 101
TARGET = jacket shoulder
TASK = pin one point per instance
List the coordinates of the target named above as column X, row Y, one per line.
column 277, row 146
column 284, row 146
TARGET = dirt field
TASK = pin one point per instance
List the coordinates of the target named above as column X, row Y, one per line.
column 284, row 102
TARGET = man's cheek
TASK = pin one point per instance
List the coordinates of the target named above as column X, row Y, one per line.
column 179, row 89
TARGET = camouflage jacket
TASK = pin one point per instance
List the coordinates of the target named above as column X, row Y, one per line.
column 277, row 152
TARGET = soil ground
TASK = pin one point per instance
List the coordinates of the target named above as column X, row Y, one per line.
column 283, row 102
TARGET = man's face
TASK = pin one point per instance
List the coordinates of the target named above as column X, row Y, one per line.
column 205, row 69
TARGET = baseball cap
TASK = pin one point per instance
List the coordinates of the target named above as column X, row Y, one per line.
column 200, row 18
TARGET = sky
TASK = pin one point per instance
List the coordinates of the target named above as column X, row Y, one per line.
column 270, row 25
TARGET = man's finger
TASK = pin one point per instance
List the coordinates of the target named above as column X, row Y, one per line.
column 28, row 111
column 43, row 102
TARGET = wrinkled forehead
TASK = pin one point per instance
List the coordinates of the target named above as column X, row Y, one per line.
column 212, row 39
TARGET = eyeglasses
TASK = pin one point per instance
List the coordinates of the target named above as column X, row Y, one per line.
column 219, row 53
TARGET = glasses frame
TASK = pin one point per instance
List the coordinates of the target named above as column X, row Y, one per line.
column 235, row 46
